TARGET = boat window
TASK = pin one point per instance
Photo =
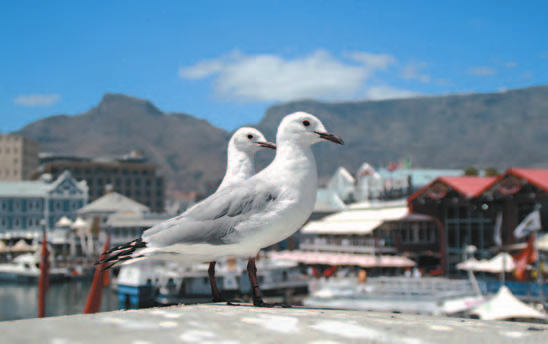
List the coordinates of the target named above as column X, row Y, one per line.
column 27, row 266
column 37, row 265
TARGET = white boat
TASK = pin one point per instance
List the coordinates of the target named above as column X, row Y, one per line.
column 26, row 268
column 425, row 295
column 173, row 283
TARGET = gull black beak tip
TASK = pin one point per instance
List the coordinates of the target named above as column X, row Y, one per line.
column 331, row 137
column 267, row 145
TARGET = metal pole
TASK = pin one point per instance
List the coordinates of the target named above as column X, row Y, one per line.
column 540, row 278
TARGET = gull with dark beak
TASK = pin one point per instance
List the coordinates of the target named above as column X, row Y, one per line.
column 245, row 217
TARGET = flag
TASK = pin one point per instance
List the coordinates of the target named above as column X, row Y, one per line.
column 527, row 256
column 498, row 227
column 43, row 281
column 530, row 224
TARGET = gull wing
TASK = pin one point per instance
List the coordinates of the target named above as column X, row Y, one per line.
column 214, row 220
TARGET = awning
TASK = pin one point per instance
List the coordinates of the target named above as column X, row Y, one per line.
column 363, row 260
column 361, row 218
column 505, row 305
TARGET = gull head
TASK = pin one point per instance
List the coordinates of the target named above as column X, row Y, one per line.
column 305, row 129
column 249, row 140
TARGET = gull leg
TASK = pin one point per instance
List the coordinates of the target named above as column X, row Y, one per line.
column 214, row 290
column 255, row 292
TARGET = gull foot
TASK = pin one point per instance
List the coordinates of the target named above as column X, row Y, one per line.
column 261, row 303
column 228, row 302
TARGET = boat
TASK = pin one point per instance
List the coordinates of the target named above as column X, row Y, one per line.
column 169, row 283
column 424, row 295
column 26, row 268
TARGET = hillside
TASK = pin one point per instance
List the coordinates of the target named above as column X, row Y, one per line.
column 454, row 131
column 497, row 129
column 190, row 152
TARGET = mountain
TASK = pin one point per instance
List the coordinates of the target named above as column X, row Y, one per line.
column 497, row 129
column 190, row 152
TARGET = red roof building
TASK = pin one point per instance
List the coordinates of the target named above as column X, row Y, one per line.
column 466, row 208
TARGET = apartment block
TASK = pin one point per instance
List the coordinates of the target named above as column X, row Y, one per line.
column 18, row 157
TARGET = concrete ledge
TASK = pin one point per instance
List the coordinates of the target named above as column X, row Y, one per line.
column 218, row 323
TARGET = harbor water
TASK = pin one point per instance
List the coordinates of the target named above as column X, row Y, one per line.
column 20, row 301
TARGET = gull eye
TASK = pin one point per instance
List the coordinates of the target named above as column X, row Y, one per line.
column 250, row 136
column 306, row 123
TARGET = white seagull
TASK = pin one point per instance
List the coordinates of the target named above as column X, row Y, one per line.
column 240, row 165
column 242, row 218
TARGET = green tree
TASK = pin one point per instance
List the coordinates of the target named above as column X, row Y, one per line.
column 491, row 172
column 471, row 171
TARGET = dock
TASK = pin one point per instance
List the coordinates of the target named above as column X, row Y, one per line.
column 219, row 323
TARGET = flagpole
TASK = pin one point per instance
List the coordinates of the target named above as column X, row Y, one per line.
column 540, row 277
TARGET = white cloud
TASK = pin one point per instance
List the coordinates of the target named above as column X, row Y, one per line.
column 37, row 100
column 272, row 78
column 386, row 92
column 481, row 71
column 510, row 64
column 412, row 71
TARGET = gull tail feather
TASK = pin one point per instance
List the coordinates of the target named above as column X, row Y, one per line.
column 122, row 253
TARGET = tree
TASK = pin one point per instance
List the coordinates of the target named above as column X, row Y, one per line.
column 491, row 172
column 471, row 171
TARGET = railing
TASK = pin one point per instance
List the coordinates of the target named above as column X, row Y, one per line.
column 345, row 248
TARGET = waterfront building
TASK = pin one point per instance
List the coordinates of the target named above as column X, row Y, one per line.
column 24, row 204
column 125, row 218
column 377, row 234
column 18, row 157
column 465, row 211
column 130, row 175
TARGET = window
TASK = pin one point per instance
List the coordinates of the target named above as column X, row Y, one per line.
column 16, row 222
column 74, row 205
column 57, row 205
column 3, row 205
column 17, row 205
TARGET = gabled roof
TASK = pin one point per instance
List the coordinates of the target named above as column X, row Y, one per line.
column 536, row 177
column 111, row 203
column 468, row 186
column 39, row 188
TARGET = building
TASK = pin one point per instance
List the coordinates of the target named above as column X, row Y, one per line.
column 18, row 157
column 24, row 204
column 130, row 175
column 465, row 209
column 125, row 218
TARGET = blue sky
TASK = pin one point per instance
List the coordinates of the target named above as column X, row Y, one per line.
column 227, row 61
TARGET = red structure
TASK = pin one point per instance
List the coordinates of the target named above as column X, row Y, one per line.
column 93, row 302
column 43, row 281
column 465, row 209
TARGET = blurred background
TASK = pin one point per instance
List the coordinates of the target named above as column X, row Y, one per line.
column 115, row 116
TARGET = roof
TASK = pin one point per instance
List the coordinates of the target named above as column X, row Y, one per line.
column 24, row 188
column 36, row 188
column 363, row 260
column 359, row 218
column 505, row 305
column 468, row 186
column 111, row 203
column 327, row 200
column 536, row 177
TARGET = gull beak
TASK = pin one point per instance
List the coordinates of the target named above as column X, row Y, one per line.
column 266, row 145
column 330, row 137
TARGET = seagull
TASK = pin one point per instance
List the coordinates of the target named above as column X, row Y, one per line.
column 245, row 217
column 240, row 165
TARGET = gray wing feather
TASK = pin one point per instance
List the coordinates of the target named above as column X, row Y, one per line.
column 213, row 220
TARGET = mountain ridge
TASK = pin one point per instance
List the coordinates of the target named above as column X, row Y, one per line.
column 453, row 131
